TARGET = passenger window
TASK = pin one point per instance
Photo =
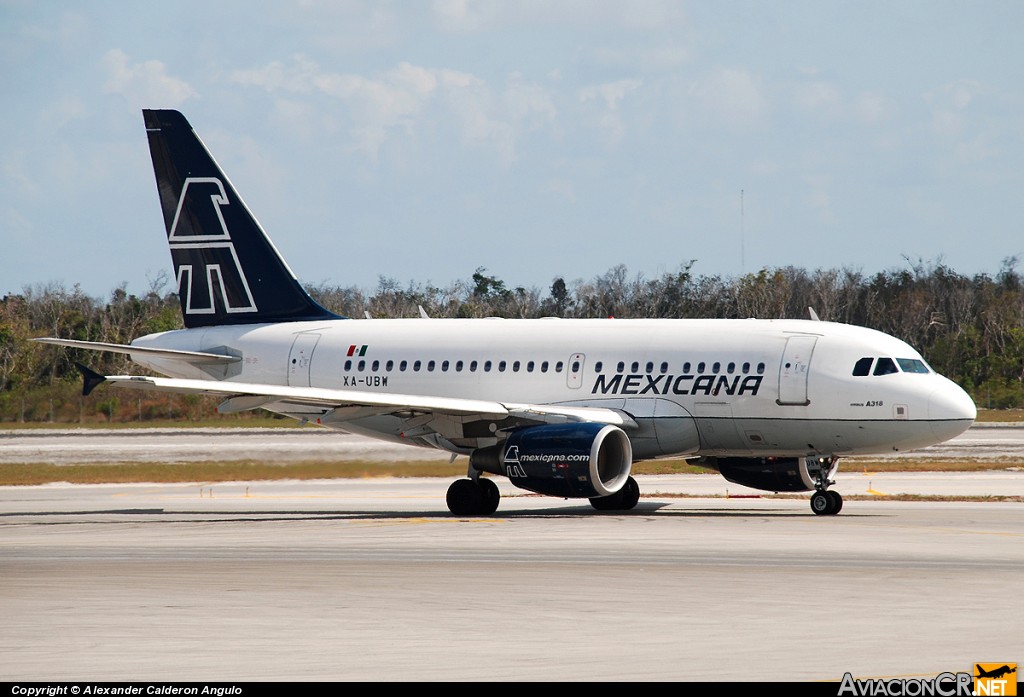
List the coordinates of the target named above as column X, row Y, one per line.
column 444, row 366
column 362, row 366
column 515, row 366
column 544, row 367
column 430, row 366
column 558, row 367
column 686, row 367
column 487, row 366
column 529, row 367
column 635, row 368
column 597, row 367
column 746, row 368
column 472, row 366
column 416, row 366
column 650, row 366
column 348, row 365
column 458, row 366
column 575, row 366
column 886, row 366
column 717, row 367
column 501, row 366
column 620, row 367
column 731, row 369
column 375, row 367
column 664, row 367
column 389, row 366
column 863, row 366
column 700, row 367
column 403, row 365
column 760, row 368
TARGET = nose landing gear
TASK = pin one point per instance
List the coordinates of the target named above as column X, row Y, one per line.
column 823, row 501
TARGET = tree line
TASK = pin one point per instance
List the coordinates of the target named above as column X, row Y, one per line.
column 969, row 328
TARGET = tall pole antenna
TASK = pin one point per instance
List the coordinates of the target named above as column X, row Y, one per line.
column 743, row 251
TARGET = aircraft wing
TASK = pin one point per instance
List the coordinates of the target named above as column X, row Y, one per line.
column 352, row 404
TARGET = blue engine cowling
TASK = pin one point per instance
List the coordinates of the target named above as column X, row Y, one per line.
column 581, row 460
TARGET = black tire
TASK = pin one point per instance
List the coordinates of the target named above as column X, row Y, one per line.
column 821, row 503
column 490, row 496
column 837, row 501
column 630, row 494
column 464, row 497
column 607, row 503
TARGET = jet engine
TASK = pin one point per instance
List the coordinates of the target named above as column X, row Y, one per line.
column 775, row 473
column 580, row 460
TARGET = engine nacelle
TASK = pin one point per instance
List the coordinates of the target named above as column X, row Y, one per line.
column 580, row 460
column 775, row 473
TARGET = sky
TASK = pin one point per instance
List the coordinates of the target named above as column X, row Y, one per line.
column 422, row 140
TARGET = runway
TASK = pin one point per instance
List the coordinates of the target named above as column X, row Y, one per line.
column 373, row 580
column 985, row 442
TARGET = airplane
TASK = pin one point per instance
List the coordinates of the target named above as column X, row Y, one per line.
column 995, row 673
column 561, row 407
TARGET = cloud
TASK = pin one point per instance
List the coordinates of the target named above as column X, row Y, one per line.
column 732, row 95
column 871, row 107
column 144, row 84
column 819, row 97
column 408, row 99
column 949, row 104
column 609, row 97
column 467, row 16
column 611, row 93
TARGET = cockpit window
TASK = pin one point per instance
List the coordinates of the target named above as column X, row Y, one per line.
column 885, row 366
column 863, row 366
column 912, row 365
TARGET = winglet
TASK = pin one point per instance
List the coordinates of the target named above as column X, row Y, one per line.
column 813, row 314
column 90, row 379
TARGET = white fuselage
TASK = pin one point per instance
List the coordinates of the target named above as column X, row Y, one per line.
column 693, row 387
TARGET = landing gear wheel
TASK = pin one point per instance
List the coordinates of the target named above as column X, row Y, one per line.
column 466, row 497
column 490, row 496
column 821, row 503
column 630, row 493
column 606, row 503
column 837, row 501
column 622, row 500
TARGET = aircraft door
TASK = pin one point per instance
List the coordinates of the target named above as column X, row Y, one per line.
column 574, row 371
column 793, row 372
column 300, row 359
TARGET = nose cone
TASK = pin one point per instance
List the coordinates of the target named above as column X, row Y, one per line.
column 950, row 410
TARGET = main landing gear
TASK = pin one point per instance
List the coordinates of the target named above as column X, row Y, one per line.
column 477, row 496
column 622, row 500
column 826, row 502
column 823, row 501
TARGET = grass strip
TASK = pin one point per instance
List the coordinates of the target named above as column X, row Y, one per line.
column 30, row 474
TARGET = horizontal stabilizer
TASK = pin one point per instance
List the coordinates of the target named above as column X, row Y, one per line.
column 90, row 379
column 193, row 357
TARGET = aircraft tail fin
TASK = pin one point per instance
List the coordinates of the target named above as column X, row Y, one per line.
column 227, row 269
